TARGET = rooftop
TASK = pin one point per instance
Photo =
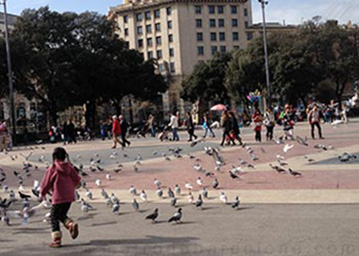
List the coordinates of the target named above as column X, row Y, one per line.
column 10, row 18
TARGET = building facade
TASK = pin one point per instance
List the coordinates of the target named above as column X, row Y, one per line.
column 181, row 33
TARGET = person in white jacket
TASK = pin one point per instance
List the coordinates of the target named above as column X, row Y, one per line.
column 174, row 125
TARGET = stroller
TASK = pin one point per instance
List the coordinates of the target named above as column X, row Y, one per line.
column 164, row 134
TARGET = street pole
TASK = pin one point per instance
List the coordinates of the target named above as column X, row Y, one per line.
column 264, row 3
column 11, row 87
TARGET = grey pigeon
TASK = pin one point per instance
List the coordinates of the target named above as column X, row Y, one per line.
column 177, row 216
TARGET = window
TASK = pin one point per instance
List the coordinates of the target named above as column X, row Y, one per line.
column 199, row 37
column 233, row 9
column 246, row 24
column 245, row 12
column 140, row 43
column 198, row 23
column 200, row 50
column 211, row 9
column 222, row 36
column 221, row 23
column 212, row 23
column 234, row 23
column 158, row 40
column 235, row 47
column 149, row 41
column 235, row 36
column 213, row 36
column 127, row 44
column 172, row 52
column 169, row 24
column 139, row 30
column 213, row 49
column 157, row 13
column 148, row 15
column 169, row 11
column 170, row 38
column 139, row 16
column 172, row 67
column 160, row 68
column 159, row 54
column 158, row 27
column 150, row 55
column 126, row 31
column 223, row 49
column 198, row 9
column 249, row 35
column 148, row 29
column 220, row 9
column 125, row 19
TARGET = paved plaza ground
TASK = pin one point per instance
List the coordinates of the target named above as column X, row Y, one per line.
column 313, row 214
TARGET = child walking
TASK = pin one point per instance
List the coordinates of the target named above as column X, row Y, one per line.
column 62, row 179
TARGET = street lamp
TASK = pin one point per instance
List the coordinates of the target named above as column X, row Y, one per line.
column 264, row 3
column 11, row 87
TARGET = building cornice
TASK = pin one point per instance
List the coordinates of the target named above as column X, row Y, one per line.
column 129, row 7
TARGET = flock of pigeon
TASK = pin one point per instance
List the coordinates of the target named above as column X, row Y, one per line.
column 113, row 202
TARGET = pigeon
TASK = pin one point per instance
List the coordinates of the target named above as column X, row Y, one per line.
column 135, row 168
column 5, row 204
column 199, row 182
column 133, row 190
column 282, row 163
column 114, row 199
column 294, row 173
column 116, row 207
column 170, row 193
column 177, row 189
column 199, row 201
column 310, row 160
column 277, row 168
column 233, row 176
column 135, row 205
column 153, row 216
column 117, row 170
column 235, row 203
column 5, row 188
column 100, row 169
column 89, row 194
column 190, row 198
column 26, row 213
column 197, row 167
column 188, row 186
column 223, row 198
column 236, row 170
column 98, row 182
column 280, row 157
column 108, row 176
column 104, row 194
column 177, row 216
column 157, row 183
column 205, row 193
column 159, row 192
column 280, row 140
column 287, row 147
column 24, row 196
column 173, row 201
column 215, row 183
column 5, row 219
column 143, row 196
column 253, row 157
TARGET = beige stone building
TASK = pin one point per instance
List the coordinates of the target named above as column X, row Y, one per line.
column 180, row 33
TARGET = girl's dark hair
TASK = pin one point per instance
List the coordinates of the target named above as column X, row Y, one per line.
column 59, row 154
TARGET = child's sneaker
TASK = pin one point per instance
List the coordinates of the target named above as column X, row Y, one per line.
column 56, row 239
column 73, row 228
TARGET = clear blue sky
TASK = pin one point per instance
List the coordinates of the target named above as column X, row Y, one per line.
column 292, row 11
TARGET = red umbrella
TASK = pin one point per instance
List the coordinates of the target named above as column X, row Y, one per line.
column 218, row 107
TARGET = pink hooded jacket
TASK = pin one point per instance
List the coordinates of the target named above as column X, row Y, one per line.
column 62, row 179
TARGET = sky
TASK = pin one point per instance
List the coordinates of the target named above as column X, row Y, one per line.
column 290, row 11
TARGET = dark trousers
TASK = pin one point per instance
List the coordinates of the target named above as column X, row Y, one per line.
column 124, row 140
column 270, row 132
column 191, row 134
column 226, row 134
column 319, row 129
column 258, row 136
column 59, row 214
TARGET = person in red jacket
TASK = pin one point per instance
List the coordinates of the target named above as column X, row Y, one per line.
column 257, row 120
column 62, row 179
column 116, row 132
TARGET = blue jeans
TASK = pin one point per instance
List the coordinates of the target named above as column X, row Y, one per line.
column 153, row 132
column 210, row 131
column 175, row 134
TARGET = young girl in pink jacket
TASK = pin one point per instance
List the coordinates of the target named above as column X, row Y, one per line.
column 62, row 179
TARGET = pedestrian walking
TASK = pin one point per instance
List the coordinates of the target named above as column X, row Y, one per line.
column 62, row 179
column 116, row 132
column 257, row 120
column 174, row 126
column 207, row 123
column 71, row 130
column 227, row 127
column 269, row 122
column 150, row 122
column 103, row 130
column 124, row 128
column 190, row 126
column 314, row 121
column 235, row 127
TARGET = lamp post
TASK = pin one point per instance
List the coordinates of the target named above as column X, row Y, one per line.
column 11, row 87
column 264, row 3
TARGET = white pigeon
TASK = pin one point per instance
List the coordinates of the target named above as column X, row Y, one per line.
column 190, row 198
column 143, row 196
column 287, row 147
column 108, row 176
column 237, row 169
column 188, row 186
column 133, row 190
column 36, row 185
column 177, row 189
column 197, row 167
column 199, row 182
column 223, row 198
column 114, row 199
column 98, row 182
column 157, row 182
column 5, row 188
column 89, row 194
column 280, row 157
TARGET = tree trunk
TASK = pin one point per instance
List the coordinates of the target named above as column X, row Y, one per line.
column 90, row 114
